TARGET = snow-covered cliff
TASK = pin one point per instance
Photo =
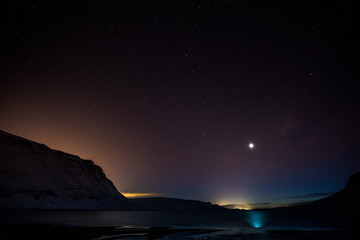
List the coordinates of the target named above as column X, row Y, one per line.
column 34, row 176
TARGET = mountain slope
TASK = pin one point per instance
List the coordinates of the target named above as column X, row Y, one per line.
column 345, row 201
column 34, row 176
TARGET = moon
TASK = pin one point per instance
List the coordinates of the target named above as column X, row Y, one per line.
column 251, row 145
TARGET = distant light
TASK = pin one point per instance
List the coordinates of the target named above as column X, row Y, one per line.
column 256, row 218
column 139, row 195
column 256, row 224
column 251, row 145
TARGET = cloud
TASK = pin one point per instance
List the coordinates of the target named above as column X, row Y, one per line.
column 139, row 195
column 298, row 203
column 259, row 204
column 307, row 196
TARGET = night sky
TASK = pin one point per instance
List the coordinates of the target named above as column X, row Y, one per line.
column 167, row 95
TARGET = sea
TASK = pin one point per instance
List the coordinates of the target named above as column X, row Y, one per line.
column 230, row 221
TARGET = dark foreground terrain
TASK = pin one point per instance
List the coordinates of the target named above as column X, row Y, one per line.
column 42, row 231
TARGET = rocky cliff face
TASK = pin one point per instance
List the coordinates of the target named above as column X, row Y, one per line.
column 35, row 176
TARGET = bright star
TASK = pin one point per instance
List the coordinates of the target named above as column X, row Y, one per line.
column 251, row 145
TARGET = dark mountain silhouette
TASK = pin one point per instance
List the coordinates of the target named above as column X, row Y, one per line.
column 175, row 204
column 34, row 176
column 347, row 200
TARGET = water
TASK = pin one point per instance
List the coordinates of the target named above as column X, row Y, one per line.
column 240, row 220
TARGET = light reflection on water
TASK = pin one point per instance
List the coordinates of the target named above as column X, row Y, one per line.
column 256, row 218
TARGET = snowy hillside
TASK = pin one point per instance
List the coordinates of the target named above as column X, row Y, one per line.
column 35, row 176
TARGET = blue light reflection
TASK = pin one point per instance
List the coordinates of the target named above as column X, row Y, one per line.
column 255, row 218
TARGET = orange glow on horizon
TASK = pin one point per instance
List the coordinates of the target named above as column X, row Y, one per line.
column 232, row 205
column 139, row 195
